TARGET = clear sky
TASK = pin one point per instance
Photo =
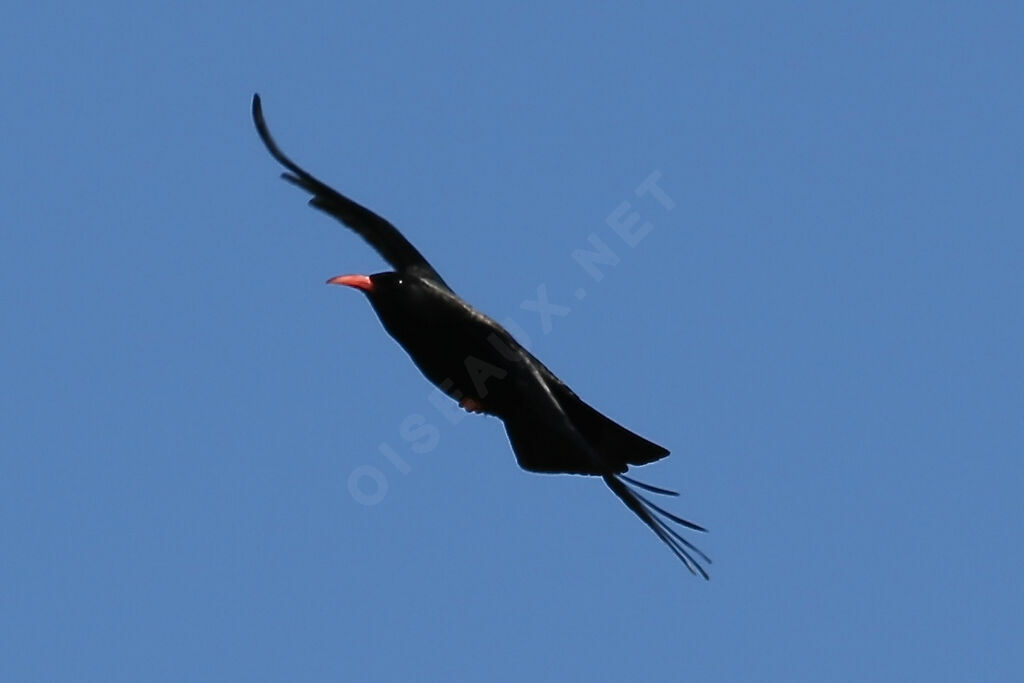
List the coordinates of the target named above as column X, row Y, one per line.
column 823, row 321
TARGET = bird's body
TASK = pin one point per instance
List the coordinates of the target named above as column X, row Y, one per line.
column 474, row 360
column 448, row 340
column 477, row 362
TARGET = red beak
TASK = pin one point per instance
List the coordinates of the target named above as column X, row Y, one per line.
column 362, row 282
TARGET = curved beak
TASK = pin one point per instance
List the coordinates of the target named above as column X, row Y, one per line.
column 362, row 282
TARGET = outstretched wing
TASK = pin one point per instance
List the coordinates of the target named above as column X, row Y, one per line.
column 654, row 517
column 542, row 436
column 546, row 438
column 381, row 235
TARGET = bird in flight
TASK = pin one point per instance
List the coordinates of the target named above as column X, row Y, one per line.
column 476, row 362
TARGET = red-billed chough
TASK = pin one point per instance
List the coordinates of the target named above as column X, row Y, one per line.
column 475, row 361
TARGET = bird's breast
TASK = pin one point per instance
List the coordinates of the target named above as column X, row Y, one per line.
column 465, row 359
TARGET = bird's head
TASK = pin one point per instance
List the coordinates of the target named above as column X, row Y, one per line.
column 383, row 283
column 379, row 286
column 400, row 299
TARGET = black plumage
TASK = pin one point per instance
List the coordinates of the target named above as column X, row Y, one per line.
column 478, row 363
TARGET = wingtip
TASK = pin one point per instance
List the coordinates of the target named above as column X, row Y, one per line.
column 268, row 141
column 649, row 513
column 257, row 108
column 648, row 487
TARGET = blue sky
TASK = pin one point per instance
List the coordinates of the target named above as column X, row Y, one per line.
column 825, row 328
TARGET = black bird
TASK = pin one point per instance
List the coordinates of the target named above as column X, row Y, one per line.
column 475, row 361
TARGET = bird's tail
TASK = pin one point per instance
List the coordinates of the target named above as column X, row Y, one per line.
column 657, row 519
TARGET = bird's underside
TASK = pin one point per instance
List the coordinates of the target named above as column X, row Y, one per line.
column 478, row 363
